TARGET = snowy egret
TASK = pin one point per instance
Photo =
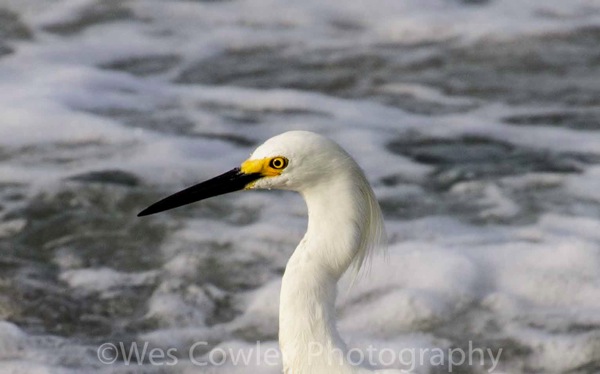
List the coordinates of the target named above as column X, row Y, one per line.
column 345, row 226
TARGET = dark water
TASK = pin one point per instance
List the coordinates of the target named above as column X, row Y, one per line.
column 79, row 212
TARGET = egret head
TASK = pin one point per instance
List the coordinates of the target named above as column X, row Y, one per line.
column 295, row 160
column 308, row 163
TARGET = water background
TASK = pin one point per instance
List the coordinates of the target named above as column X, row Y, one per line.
column 477, row 123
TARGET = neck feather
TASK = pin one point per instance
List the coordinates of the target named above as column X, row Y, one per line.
column 344, row 226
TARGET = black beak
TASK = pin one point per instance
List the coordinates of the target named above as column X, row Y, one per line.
column 233, row 180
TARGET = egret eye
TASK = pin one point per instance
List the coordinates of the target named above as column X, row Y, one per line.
column 278, row 163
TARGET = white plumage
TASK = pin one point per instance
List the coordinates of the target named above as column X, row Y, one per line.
column 345, row 226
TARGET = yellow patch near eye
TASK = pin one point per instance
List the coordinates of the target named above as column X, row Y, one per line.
column 261, row 167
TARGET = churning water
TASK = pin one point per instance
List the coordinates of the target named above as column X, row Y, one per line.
column 477, row 122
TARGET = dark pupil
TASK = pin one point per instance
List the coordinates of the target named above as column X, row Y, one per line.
column 277, row 163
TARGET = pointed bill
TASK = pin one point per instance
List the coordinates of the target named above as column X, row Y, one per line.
column 233, row 180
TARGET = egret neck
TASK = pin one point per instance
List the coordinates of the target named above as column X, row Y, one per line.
column 344, row 226
column 308, row 336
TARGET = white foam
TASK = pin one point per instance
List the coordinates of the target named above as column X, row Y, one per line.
column 104, row 279
column 587, row 185
column 261, row 315
column 543, row 275
column 175, row 303
column 12, row 340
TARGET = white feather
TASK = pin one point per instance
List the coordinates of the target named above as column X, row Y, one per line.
column 345, row 227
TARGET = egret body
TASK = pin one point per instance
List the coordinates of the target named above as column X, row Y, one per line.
column 345, row 226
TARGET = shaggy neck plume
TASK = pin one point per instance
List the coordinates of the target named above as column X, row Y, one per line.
column 308, row 337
